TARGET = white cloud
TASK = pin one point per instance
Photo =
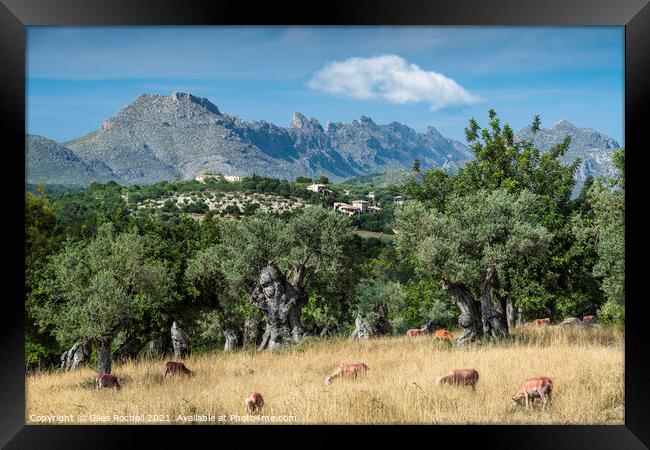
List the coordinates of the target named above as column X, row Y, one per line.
column 390, row 78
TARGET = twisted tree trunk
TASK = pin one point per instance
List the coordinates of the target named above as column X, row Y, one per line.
column 154, row 349
column 362, row 329
column 492, row 318
column 265, row 339
column 104, row 355
column 511, row 313
column 78, row 353
column 483, row 318
column 232, row 340
column 180, row 342
column 328, row 330
column 470, row 313
column 281, row 303
column 252, row 331
column 382, row 324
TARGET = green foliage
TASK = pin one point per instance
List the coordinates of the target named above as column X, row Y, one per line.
column 424, row 301
column 250, row 208
column 100, row 287
column 502, row 163
column 321, row 240
column 370, row 295
column 487, row 229
column 433, row 189
column 560, row 283
column 232, row 210
column 41, row 241
column 601, row 227
column 99, row 264
column 380, row 221
column 195, row 208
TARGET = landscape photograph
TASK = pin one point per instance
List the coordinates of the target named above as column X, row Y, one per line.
column 324, row 225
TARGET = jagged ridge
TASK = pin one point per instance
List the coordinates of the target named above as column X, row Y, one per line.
column 157, row 137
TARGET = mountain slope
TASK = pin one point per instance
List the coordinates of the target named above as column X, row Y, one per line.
column 49, row 162
column 593, row 148
column 157, row 137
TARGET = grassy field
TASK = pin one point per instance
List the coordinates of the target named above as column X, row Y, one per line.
column 586, row 367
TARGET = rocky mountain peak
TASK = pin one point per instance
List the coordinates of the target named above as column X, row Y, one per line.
column 564, row 125
column 366, row 120
column 593, row 148
column 183, row 97
column 299, row 121
column 432, row 131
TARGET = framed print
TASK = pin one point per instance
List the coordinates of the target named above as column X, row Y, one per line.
column 362, row 214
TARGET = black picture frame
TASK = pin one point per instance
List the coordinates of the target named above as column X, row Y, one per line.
column 15, row 15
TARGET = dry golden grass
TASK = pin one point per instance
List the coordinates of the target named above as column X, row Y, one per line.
column 586, row 367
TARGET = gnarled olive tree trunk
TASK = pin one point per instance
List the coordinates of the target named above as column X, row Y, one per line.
column 470, row 312
column 281, row 303
column 78, row 353
column 180, row 342
column 511, row 313
column 483, row 318
column 232, row 340
column 328, row 330
column 382, row 324
column 362, row 328
column 252, row 330
column 104, row 355
column 492, row 312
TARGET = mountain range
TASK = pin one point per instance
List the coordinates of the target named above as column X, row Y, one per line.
column 593, row 148
column 159, row 137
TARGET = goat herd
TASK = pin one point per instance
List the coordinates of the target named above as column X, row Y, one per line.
column 530, row 390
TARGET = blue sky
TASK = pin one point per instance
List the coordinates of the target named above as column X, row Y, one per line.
column 420, row 76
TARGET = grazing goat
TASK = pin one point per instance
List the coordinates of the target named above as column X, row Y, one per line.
column 177, row 368
column 416, row 331
column 444, row 335
column 460, row 377
column 532, row 388
column 103, row 380
column 254, row 402
column 347, row 370
column 540, row 322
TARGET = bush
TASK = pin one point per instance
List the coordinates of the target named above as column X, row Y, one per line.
column 196, row 208
column 233, row 210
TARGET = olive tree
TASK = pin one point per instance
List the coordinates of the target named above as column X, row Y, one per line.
column 273, row 260
column 469, row 246
column 379, row 305
column 221, row 305
column 100, row 287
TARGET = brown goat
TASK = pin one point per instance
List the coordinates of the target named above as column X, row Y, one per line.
column 347, row 370
column 103, row 380
column 177, row 368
